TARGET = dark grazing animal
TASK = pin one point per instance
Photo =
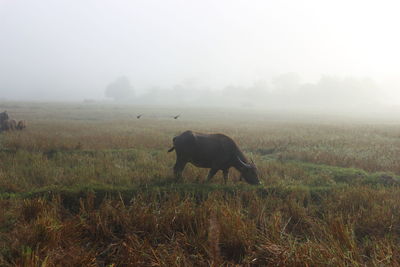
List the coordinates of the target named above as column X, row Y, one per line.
column 6, row 124
column 214, row 151
column 9, row 125
column 21, row 125
column 3, row 117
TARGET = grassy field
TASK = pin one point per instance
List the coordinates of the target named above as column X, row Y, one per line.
column 91, row 185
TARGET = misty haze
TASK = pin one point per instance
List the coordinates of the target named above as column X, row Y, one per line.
column 287, row 55
column 199, row 133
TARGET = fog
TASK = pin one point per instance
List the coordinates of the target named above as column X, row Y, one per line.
column 262, row 54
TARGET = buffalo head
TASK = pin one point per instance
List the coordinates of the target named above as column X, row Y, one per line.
column 249, row 173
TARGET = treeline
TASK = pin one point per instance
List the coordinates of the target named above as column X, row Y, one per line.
column 283, row 92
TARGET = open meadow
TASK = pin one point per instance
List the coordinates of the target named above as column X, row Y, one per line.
column 92, row 185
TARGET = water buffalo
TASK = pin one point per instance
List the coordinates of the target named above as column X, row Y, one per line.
column 3, row 117
column 4, row 121
column 214, row 151
column 9, row 125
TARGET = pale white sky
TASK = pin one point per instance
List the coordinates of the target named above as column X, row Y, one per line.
column 71, row 49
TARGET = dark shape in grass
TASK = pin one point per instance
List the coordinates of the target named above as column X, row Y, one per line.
column 213, row 151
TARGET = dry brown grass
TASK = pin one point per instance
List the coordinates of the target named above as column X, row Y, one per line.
column 132, row 214
column 176, row 231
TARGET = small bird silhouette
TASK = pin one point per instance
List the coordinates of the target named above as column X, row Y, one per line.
column 177, row 116
column 138, row 116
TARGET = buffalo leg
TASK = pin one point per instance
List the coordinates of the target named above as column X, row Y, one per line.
column 178, row 169
column 211, row 174
column 226, row 174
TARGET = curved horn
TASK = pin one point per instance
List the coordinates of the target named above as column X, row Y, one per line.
column 244, row 163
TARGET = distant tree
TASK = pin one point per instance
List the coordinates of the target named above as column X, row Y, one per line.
column 287, row 82
column 338, row 92
column 119, row 89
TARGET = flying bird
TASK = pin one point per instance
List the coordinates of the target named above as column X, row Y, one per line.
column 177, row 116
column 138, row 116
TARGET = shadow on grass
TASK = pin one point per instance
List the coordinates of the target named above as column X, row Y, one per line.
column 162, row 189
